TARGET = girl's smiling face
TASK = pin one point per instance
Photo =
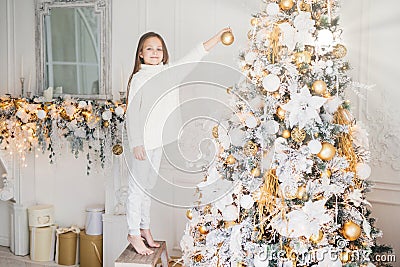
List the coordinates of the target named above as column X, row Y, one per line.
column 152, row 52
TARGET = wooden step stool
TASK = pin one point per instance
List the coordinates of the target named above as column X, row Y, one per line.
column 129, row 257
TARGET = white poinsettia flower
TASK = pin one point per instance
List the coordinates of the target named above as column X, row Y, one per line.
column 230, row 213
column 356, row 197
column 303, row 22
column 332, row 104
column 303, row 108
column 288, row 35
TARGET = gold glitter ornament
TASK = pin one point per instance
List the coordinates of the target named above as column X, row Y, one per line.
column 230, row 160
column 339, row 51
column 319, row 87
column 302, row 58
column 286, row 4
column 328, row 151
column 351, row 231
column 227, row 38
column 215, row 131
column 250, row 148
column 117, row 149
column 298, row 135
column 106, row 124
column 198, row 257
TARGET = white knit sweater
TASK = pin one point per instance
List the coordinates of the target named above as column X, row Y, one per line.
column 153, row 117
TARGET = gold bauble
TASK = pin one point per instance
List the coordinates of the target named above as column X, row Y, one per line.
column 106, row 124
column 230, row 160
column 351, row 231
column 286, row 4
column 117, row 149
column 327, row 152
column 203, row 230
column 286, row 134
column 256, row 172
column 345, row 256
column 250, row 148
column 339, row 51
column 215, row 131
column 198, row 257
column 319, row 87
column 227, row 38
column 302, row 193
column 189, row 214
column 317, row 238
column 280, row 112
column 277, row 95
column 298, row 135
column 254, row 21
column 305, row 7
column 302, row 58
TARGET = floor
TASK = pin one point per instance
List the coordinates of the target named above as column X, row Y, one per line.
column 7, row 259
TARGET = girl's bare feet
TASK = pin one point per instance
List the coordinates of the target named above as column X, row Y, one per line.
column 138, row 245
column 146, row 234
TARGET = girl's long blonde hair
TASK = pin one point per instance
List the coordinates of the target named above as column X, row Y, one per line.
column 139, row 61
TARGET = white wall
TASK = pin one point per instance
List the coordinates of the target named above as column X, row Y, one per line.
column 372, row 34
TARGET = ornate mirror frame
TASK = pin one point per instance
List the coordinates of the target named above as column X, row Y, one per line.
column 103, row 9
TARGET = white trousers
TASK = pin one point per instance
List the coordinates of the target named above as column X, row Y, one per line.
column 142, row 177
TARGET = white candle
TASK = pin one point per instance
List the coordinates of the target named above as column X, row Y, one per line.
column 122, row 78
column 329, row 11
column 22, row 66
column 29, row 82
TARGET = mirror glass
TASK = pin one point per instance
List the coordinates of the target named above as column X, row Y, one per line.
column 72, row 50
column 73, row 47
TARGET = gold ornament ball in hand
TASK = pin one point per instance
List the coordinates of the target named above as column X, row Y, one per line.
column 319, row 87
column 227, row 38
column 286, row 4
column 351, row 231
column 327, row 152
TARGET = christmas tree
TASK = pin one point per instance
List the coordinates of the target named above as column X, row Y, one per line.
column 296, row 157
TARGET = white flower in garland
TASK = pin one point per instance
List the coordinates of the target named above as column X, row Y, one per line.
column 303, row 108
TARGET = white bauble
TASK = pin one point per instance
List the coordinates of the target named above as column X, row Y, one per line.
column 246, row 202
column 230, row 213
column 363, row 171
column 315, row 146
column 272, row 9
column 251, row 121
column 271, row 82
column 271, row 127
column 325, row 37
column 41, row 114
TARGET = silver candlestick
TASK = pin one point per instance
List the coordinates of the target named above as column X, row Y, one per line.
column 22, row 80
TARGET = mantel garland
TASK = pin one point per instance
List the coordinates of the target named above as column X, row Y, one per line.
column 33, row 123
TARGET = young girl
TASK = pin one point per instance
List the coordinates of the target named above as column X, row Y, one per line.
column 151, row 59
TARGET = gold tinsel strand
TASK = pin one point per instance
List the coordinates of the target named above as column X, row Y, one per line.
column 268, row 194
column 345, row 142
column 274, row 41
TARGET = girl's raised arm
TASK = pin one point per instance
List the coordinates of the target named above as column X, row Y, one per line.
column 208, row 45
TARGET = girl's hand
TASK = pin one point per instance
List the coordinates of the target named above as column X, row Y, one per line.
column 139, row 153
column 215, row 39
